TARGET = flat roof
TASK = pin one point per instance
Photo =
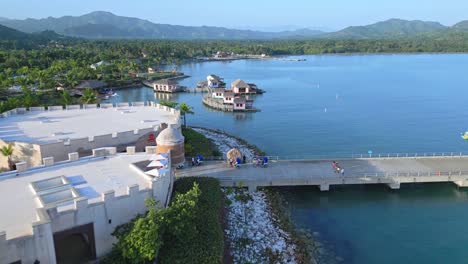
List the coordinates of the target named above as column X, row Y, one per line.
column 54, row 126
column 89, row 176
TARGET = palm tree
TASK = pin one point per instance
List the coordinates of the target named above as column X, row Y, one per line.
column 89, row 96
column 7, row 151
column 66, row 97
column 185, row 109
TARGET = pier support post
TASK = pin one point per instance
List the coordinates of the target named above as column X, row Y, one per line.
column 394, row 185
column 252, row 187
column 324, row 187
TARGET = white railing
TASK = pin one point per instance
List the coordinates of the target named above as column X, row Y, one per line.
column 352, row 156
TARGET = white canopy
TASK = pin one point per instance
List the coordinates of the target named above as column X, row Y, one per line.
column 155, row 163
column 156, row 172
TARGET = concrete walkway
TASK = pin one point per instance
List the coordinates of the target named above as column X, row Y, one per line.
column 320, row 172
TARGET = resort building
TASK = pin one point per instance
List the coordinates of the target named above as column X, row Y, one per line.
column 217, row 93
column 67, row 211
column 240, row 87
column 214, row 81
column 242, row 103
column 91, row 84
column 166, row 86
column 38, row 134
column 228, row 97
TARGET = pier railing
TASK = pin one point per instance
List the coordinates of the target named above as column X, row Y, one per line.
column 353, row 156
column 444, row 175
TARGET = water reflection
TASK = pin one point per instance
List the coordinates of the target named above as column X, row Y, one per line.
column 164, row 97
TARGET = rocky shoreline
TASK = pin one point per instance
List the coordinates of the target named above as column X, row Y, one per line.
column 258, row 226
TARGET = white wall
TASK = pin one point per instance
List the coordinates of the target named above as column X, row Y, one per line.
column 119, row 209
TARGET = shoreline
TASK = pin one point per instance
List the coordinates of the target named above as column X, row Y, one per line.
column 262, row 213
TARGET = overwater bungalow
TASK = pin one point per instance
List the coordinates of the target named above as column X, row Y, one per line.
column 240, row 87
column 242, row 103
column 166, row 86
column 217, row 93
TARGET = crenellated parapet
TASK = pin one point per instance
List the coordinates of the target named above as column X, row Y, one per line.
column 106, row 211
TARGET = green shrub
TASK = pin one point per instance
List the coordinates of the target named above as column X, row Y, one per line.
column 203, row 241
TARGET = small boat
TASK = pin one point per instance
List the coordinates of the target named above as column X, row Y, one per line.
column 114, row 94
column 465, row 135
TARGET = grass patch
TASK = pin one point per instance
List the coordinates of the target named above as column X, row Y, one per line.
column 206, row 246
column 196, row 143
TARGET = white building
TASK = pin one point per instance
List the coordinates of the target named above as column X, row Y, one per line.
column 166, row 86
column 54, row 132
column 69, row 209
column 214, row 81
column 217, row 93
column 228, row 97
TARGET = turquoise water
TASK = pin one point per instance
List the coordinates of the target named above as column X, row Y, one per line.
column 372, row 224
column 339, row 105
column 383, row 103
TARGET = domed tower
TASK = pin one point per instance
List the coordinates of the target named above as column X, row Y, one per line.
column 171, row 138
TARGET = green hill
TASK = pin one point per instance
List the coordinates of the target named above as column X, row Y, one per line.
column 7, row 33
column 393, row 28
column 101, row 24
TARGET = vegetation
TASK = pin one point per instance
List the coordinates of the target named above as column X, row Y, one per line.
column 203, row 241
column 196, row 143
column 188, row 231
column 39, row 64
column 184, row 110
column 89, row 97
column 140, row 240
column 7, row 151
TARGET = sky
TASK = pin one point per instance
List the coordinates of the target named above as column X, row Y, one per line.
column 328, row 14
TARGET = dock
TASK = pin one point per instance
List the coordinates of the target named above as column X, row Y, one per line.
column 210, row 102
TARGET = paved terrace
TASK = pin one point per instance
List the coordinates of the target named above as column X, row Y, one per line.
column 390, row 171
column 54, row 126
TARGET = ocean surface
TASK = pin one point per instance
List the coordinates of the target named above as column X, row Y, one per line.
column 336, row 106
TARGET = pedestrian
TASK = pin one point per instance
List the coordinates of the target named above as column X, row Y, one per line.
column 193, row 161
column 342, row 172
column 244, row 159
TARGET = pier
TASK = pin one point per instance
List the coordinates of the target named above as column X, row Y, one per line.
column 319, row 172
column 218, row 105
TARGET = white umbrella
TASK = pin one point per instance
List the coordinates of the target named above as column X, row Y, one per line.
column 155, row 163
column 156, row 172
column 159, row 157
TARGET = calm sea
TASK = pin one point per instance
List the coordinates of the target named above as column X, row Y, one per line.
column 340, row 105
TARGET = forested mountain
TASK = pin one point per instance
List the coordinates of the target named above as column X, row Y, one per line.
column 7, row 33
column 107, row 25
column 393, row 28
column 461, row 26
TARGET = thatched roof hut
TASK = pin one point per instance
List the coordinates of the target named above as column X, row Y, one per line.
column 233, row 154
